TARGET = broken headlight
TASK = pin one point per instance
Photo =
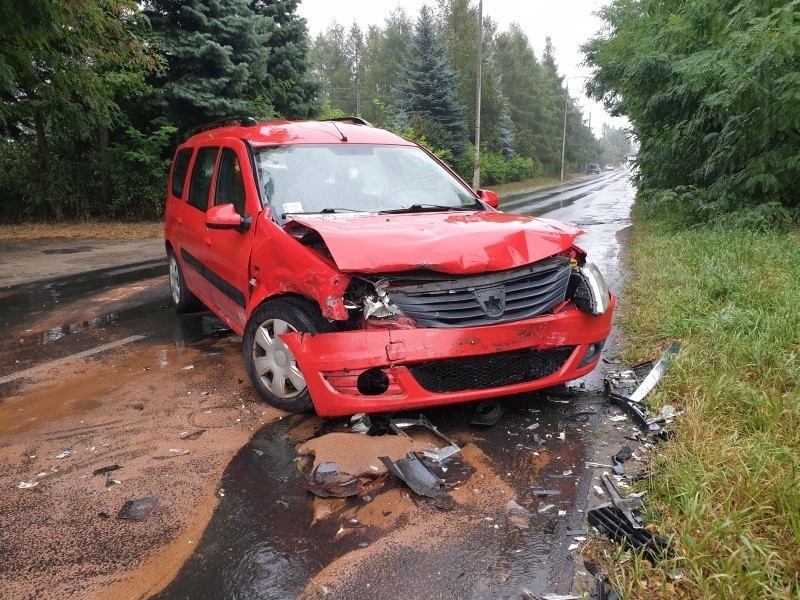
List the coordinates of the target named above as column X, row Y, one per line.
column 591, row 292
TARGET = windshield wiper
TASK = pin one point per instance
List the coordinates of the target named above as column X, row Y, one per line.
column 336, row 210
column 425, row 208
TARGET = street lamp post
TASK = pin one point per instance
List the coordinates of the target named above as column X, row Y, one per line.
column 476, row 167
column 564, row 133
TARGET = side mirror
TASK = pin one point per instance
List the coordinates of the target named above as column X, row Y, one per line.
column 225, row 216
column 489, row 197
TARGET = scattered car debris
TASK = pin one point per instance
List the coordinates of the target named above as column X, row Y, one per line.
column 619, row 459
column 192, row 435
column 104, row 470
column 487, row 413
column 625, row 504
column 543, row 492
column 544, row 507
column 360, row 423
column 398, row 425
column 64, row 454
column 633, row 404
column 517, row 516
column 415, row 475
column 615, row 524
column 655, row 375
column 329, row 482
column 138, row 510
column 173, row 453
column 27, row 485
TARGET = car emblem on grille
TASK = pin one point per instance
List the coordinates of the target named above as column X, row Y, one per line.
column 492, row 300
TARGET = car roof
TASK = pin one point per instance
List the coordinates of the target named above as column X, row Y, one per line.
column 301, row 132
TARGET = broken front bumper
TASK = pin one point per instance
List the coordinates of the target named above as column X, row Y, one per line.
column 387, row 370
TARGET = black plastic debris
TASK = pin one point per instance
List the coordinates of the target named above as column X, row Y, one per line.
column 611, row 521
column 104, row 470
column 487, row 413
column 415, row 475
column 138, row 510
column 619, row 459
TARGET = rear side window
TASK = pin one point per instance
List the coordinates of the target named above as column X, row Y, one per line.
column 200, row 183
column 179, row 168
column 230, row 183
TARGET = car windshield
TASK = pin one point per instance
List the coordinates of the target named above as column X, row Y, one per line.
column 328, row 178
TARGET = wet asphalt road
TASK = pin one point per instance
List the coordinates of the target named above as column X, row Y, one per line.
column 260, row 543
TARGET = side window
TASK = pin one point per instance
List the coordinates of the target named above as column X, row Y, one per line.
column 179, row 168
column 200, row 183
column 230, row 183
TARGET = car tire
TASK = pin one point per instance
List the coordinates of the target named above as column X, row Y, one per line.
column 272, row 367
column 183, row 300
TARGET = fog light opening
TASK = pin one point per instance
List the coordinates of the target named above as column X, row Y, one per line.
column 372, row 382
column 592, row 353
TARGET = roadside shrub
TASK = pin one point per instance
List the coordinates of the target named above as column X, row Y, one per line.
column 139, row 173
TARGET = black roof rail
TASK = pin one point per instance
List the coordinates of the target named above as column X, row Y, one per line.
column 241, row 121
column 354, row 120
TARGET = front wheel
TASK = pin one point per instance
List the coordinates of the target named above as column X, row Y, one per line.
column 270, row 364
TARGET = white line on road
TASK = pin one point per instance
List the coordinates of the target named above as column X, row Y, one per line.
column 84, row 354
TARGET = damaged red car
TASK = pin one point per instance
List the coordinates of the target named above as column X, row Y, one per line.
column 365, row 276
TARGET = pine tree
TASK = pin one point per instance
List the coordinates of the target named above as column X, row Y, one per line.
column 430, row 89
column 217, row 53
column 289, row 89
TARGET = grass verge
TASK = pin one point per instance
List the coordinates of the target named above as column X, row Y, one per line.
column 728, row 486
column 103, row 230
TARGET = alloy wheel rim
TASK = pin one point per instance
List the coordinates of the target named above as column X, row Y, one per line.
column 275, row 364
column 174, row 280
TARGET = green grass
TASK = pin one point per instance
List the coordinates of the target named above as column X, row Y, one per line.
column 729, row 485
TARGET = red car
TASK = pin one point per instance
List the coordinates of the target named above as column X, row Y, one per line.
column 365, row 276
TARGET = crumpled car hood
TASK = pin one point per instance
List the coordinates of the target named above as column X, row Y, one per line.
column 457, row 243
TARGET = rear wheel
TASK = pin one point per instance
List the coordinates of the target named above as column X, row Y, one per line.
column 184, row 300
column 270, row 364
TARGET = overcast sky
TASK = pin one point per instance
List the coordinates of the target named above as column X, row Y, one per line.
column 569, row 23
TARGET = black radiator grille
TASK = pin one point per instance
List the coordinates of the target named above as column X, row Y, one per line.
column 498, row 297
column 489, row 371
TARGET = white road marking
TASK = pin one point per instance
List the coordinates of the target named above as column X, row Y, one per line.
column 84, row 354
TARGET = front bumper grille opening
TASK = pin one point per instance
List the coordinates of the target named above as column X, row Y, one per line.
column 489, row 371
column 514, row 295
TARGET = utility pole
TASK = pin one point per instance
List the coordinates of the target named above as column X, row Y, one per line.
column 476, row 170
column 564, row 134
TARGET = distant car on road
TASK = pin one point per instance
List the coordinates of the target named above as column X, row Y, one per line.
column 594, row 169
column 609, row 167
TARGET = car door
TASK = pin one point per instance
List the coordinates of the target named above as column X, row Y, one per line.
column 190, row 229
column 228, row 250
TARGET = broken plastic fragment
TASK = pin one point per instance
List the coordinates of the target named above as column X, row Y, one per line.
column 414, row 474
column 487, row 412
column 64, row 454
column 26, row 485
column 137, row 510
